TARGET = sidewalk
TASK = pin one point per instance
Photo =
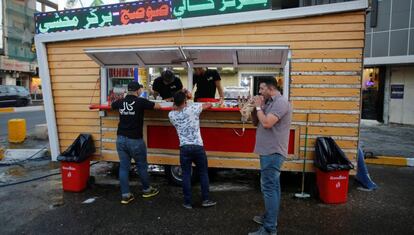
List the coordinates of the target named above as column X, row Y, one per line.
column 392, row 143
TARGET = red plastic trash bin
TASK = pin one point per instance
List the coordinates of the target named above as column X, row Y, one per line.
column 75, row 175
column 332, row 186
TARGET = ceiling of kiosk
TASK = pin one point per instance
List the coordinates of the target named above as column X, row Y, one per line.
column 196, row 56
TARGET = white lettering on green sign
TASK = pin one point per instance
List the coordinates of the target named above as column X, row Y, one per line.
column 65, row 22
column 60, row 23
column 189, row 6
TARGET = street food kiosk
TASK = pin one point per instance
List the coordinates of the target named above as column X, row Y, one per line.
column 317, row 52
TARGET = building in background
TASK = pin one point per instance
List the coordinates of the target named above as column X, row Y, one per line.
column 47, row 5
column 388, row 86
column 18, row 63
column 388, row 76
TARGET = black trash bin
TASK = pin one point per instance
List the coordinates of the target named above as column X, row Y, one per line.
column 80, row 150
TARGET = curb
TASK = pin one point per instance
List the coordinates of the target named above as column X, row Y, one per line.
column 392, row 161
column 6, row 110
column 21, row 109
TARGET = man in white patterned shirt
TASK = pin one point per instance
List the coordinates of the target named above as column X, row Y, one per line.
column 186, row 120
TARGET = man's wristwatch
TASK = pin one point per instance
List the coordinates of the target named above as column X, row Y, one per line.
column 258, row 108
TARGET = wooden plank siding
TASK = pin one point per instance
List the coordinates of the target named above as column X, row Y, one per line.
column 75, row 85
column 326, row 67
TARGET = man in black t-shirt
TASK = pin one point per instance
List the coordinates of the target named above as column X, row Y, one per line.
column 166, row 85
column 207, row 81
column 129, row 142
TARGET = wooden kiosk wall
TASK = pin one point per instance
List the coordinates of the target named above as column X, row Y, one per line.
column 326, row 68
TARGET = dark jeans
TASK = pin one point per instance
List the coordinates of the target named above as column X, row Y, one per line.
column 188, row 155
column 132, row 148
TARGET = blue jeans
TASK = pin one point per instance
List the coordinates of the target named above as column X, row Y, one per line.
column 270, row 166
column 188, row 155
column 132, row 148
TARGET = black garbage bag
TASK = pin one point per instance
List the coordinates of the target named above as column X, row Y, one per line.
column 329, row 156
column 79, row 150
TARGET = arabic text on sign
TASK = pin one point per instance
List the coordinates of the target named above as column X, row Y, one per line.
column 141, row 13
column 222, row 6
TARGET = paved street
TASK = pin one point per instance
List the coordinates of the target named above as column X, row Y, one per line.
column 32, row 119
column 41, row 207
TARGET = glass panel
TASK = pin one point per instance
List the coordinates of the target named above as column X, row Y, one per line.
column 411, row 42
column 400, row 14
column 383, row 15
column 380, row 44
column 399, row 43
column 367, row 50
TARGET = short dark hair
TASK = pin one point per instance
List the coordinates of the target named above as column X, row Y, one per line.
column 179, row 98
column 269, row 82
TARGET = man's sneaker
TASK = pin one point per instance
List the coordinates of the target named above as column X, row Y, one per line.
column 187, row 206
column 127, row 199
column 150, row 192
column 258, row 219
column 262, row 231
column 208, row 203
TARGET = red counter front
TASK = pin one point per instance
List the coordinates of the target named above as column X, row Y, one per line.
column 222, row 132
column 215, row 139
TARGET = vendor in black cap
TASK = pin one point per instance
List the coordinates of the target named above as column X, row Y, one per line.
column 130, row 143
column 166, row 85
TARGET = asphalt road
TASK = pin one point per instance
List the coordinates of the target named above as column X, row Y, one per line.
column 32, row 119
column 41, row 207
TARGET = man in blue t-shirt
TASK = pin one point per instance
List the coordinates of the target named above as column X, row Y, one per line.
column 186, row 120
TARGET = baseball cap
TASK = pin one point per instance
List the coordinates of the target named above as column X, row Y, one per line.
column 134, row 86
column 167, row 76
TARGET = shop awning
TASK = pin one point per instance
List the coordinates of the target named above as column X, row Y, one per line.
column 224, row 56
column 133, row 57
column 236, row 56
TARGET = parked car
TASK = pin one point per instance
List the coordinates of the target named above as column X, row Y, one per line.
column 14, row 96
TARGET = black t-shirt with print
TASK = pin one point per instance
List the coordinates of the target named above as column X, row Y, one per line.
column 206, row 84
column 131, row 115
column 167, row 91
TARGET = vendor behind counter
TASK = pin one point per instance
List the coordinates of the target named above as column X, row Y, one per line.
column 166, row 85
column 207, row 81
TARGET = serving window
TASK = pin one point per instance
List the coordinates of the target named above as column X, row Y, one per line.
column 241, row 68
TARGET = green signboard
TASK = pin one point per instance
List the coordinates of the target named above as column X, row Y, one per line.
column 102, row 16
column 194, row 8
column 140, row 12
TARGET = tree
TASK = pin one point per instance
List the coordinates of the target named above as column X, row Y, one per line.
column 71, row 3
column 96, row 3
